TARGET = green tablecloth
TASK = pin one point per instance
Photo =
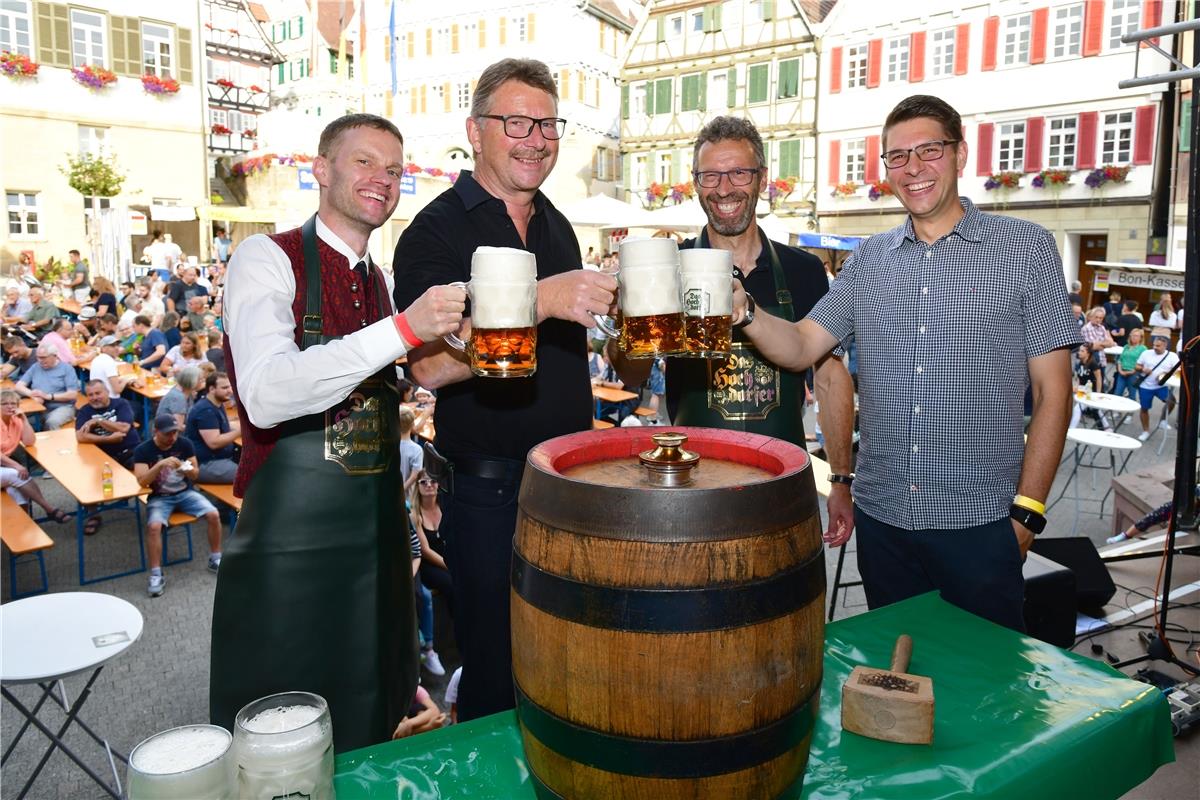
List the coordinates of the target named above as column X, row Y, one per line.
column 1015, row 718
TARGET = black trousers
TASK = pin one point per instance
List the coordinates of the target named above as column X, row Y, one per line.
column 479, row 517
column 977, row 569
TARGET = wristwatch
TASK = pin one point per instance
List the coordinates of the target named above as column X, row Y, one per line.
column 749, row 317
column 1032, row 520
column 846, row 479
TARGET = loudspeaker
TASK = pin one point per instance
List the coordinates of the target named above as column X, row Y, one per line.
column 1093, row 585
column 1049, row 601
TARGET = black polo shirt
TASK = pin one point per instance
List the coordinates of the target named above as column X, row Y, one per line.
column 499, row 417
column 805, row 277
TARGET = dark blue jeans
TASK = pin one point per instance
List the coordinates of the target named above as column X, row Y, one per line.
column 977, row 569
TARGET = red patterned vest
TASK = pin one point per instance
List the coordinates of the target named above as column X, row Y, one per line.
column 340, row 291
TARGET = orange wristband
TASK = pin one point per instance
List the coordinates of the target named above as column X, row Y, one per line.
column 406, row 332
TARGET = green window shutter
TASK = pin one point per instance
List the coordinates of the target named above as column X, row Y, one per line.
column 184, row 57
column 757, row 79
column 1185, row 127
column 789, row 159
column 333, row 65
column 280, row 78
column 716, row 17
column 768, row 9
column 687, row 91
column 677, row 166
column 119, row 46
column 54, row 34
column 702, row 91
column 661, row 29
column 789, row 78
column 662, row 100
column 299, row 27
column 625, row 102
column 731, row 88
column 648, row 87
column 626, row 167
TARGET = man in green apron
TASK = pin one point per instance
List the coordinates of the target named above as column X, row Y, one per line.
column 315, row 591
column 746, row 391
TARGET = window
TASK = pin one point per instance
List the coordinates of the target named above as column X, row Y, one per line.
column 464, row 95
column 691, row 89
column 854, row 160
column 1125, row 17
column 856, row 66
column 675, row 26
column 91, row 140
column 607, row 164
column 789, row 78
column 718, row 89
column 1012, row 147
column 897, row 59
column 442, row 41
column 87, row 38
column 518, row 24
column 641, row 171
column 439, row 96
column 22, row 213
column 157, row 56
column 218, row 116
column 758, row 76
column 663, row 170
column 1068, row 31
column 470, row 36
column 15, row 27
column 942, row 65
column 1116, row 143
column 696, row 22
column 789, row 159
column 298, row 68
column 1061, row 154
column 1016, row 39
column 642, row 98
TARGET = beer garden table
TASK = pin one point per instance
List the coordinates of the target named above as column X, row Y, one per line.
column 1014, row 717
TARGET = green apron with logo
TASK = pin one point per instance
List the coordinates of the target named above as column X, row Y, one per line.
column 745, row 392
column 315, row 589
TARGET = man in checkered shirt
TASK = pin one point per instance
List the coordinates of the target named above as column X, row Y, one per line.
column 955, row 312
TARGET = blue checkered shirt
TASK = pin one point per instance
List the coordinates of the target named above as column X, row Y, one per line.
column 944, row 334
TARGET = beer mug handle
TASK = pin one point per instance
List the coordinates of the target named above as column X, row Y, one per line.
column 606, row 326
column 452, row 340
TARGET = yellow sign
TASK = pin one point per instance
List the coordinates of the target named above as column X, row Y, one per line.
column 1101, row 283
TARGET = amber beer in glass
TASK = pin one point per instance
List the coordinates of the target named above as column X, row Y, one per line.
column 651, row 319
column 706, row 276
column 503, row 292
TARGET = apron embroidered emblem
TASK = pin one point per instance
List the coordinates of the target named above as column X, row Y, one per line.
column 744, row 386
column 355, row 437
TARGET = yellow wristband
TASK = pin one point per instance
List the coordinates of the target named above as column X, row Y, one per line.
column 1029, row 503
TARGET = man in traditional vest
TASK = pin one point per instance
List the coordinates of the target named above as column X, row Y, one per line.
column 315, row 591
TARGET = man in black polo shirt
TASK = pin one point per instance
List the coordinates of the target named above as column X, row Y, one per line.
column 485, row 426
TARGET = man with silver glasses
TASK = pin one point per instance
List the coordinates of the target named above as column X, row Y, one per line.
column 947, row 494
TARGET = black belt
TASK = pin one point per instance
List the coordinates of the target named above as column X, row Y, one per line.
column 488, row 468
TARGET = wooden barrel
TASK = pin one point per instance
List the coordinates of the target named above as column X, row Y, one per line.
column 667, row 642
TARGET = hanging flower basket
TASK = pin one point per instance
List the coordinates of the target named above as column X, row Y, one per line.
column 1003, row 181
column 778, row 190
column 1052, row 179
column 1107, row 174
column 92, row 77
column 220, row 130
column 18, row 66
column 879, row 189
column 844, row 190
column 159, row 86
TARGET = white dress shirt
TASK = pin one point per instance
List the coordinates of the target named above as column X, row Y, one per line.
column 276, row 381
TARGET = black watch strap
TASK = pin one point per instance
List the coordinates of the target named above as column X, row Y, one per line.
column 846, row 479
column 1027, row 517
column 750, row 308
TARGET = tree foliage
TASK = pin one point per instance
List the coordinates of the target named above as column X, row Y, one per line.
column 93, row 176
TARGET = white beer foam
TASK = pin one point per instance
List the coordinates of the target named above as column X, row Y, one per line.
column 649, row 290
column 503, row 305
column 707, row 294
column 636, row 253
column 706, row 259
column 181, row 750
column 503, row 264
column 281, row 719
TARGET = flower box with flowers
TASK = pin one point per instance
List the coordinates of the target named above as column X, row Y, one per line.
column 256, row 89
column 844, row 190
column 249, row 166
column 681, row 192
column 1106, row 174
column 1052, row 179
column 96, row 78
column 220, row 130
column 1003, row 181
column 655, row 194
column 17, row 65
column 225, row 83
column 250, row 133
column 878, row 190
column 779, row 189
column 159, row 86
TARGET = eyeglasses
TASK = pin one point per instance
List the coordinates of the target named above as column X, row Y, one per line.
column 519, row 126
column 741, row 176
column 427, row 481
column 929, row 151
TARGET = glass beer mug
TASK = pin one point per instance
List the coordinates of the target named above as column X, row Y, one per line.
column 650, row 323
column 706, row 276
column 283, row 748
column 503, row 292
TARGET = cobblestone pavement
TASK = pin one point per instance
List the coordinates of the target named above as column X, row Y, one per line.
column 162, row 680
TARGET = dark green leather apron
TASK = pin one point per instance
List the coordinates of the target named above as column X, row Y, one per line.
column 746, row 392
column 315, row 588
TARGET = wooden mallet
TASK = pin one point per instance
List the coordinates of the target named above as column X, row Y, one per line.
column 889, row 704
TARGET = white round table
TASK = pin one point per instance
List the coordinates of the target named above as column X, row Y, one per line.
column 1107, row 402
column 1115, row 350
column 1083, row 438
column 54, row 636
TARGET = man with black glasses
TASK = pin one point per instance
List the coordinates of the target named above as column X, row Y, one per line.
column 947, row 494
column 485, row 426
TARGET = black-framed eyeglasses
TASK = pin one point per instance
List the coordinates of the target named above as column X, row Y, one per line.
column 742, row 176
column 519, row 126
column 927, row 151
